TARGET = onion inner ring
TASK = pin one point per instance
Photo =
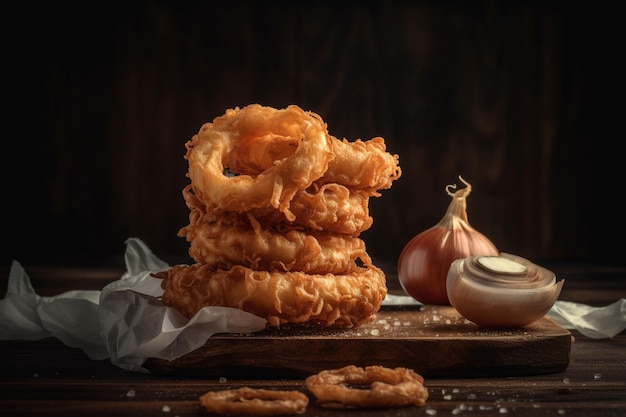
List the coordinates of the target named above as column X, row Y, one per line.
column 257, row 401
column 386, row 387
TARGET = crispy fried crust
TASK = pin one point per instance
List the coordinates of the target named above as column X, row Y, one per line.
column 281, row 297
column 387, row 387
column 254, row 401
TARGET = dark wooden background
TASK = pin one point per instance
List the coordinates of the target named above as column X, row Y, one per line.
column 521, row 98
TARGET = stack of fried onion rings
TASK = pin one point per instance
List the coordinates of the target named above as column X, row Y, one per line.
column 370, row 387
column 277, row 205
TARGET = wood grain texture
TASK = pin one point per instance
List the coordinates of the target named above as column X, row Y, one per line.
column 45, row 377
column 511, row 95
column 434, row 341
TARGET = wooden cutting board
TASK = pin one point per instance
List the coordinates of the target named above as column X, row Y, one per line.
column 435, row 341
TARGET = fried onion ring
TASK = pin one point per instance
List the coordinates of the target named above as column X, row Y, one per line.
column 332, row 208
column 257, row 401
column 280, row 297
column 224, row 239
column 221, row 247
column 364, row 165
column 255, row 128
column 387, row 387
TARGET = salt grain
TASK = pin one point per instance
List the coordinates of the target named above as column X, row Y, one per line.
column 375, row 332
column 566, row 380
column 447, row 397
column 130, row 393
column 166, row 409
column 431, row 412
column 503, row 410
column 561, row 411
column 597, row 376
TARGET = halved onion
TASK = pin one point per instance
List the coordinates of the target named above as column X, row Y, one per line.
column 501, row 291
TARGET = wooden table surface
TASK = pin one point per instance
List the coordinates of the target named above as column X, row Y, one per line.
column 48, row 378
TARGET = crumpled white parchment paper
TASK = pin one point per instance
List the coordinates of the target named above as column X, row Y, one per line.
column 127, row 323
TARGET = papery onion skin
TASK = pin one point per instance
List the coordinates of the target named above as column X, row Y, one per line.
column 425, row 260
column 503, row 300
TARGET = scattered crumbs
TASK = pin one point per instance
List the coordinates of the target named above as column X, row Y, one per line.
column 536, row 405
column 448, row 321
column 35, row 375
column 382, row 321
column 406, row 323
column 222, row 380
column 485, row 407
column 357, row 334
column 166, row 409
column 396, row 323
column 443, row 390
column 447, row 397
column 456, row 391
column 471, row 396
column 431, row 411
column 130, row 393
column 566, row 380
column 503, row 410
column 456, row 411
column 561, row 411
column 436, row 318
column 387, row 326
column 375, row 332
column 597, row 376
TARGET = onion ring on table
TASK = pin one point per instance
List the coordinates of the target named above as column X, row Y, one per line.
column 257, row 401
column 209, row 154
column 324, row 300
column 387, row 387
